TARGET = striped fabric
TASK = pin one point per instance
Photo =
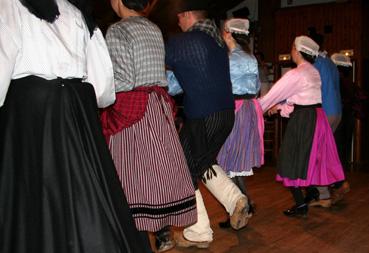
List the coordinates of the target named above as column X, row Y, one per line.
column 153, row 170
column 243, row 149
column 202, row 139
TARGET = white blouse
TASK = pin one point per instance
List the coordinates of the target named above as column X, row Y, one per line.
column 31, row 46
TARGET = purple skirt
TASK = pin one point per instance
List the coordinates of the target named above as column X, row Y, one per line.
column 244, row 147
column 324, row 166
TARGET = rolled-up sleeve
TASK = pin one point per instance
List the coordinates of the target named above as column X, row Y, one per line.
column 100, row 70
column 9, row 49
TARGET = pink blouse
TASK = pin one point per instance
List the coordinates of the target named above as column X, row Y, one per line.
column 301, row 86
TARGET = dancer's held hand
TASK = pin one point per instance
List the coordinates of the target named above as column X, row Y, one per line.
column 273, row 110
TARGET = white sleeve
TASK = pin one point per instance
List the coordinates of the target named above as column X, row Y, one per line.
column 9, row 49
column 100, row 70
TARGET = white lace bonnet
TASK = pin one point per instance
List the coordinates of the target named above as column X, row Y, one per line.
column 341, row 60
column 306, row 45
column 237, row 25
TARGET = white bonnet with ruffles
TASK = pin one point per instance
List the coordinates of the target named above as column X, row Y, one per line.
column 341, row 60
column 237, row 25
column 306, row 45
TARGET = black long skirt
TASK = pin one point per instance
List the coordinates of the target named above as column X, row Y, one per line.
column 59, row 191
column 297, row 141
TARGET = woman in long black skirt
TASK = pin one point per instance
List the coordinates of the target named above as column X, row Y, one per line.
column 59, row 191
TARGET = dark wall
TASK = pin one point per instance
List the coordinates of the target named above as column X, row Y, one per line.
column 344, row 26
column 164, row 15
column 340, row 23
column 266, row 30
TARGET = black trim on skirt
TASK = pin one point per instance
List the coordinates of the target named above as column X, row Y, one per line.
column 202, row 140
column 298, row 107
column 297, row 141
column 244, row 96
column 58, row 183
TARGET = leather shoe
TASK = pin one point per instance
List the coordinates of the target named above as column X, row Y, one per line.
column 164, row 240
column 297, row 211
column 184, row 243
column 227, row 223
column 240, row 216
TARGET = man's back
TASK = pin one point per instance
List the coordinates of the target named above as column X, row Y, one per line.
column 201, row 66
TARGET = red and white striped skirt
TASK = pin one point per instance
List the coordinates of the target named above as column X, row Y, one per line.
column 152, row 168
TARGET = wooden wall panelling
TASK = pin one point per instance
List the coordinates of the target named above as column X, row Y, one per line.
column 365, row 83
column 266, row 28
column 344, row 18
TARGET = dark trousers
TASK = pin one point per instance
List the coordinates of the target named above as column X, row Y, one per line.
column 202, row 139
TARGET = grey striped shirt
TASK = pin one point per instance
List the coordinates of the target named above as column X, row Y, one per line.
column 136, row 49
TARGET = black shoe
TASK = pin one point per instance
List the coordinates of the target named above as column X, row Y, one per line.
column 225, row 224
column 164, row 240
column 162, row 246
column 297, row 211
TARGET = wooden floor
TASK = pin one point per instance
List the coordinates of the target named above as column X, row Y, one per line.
column 340, row 229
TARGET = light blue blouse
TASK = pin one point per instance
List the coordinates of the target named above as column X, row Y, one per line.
column 244, row 72
column 173, row 85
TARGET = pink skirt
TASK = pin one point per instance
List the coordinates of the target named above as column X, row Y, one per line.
column 324, row 167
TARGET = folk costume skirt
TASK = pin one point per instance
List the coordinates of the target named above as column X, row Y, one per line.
column 153, row 170
column 308, row 154
column 244, row 147
column 59, row 191
column 202, row 140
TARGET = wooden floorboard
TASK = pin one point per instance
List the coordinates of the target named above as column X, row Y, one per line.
column 340, row 229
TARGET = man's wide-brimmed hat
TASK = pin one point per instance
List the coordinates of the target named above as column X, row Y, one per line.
column 193, row 5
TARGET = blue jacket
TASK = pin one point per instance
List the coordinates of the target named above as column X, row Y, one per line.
column 331, row 96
